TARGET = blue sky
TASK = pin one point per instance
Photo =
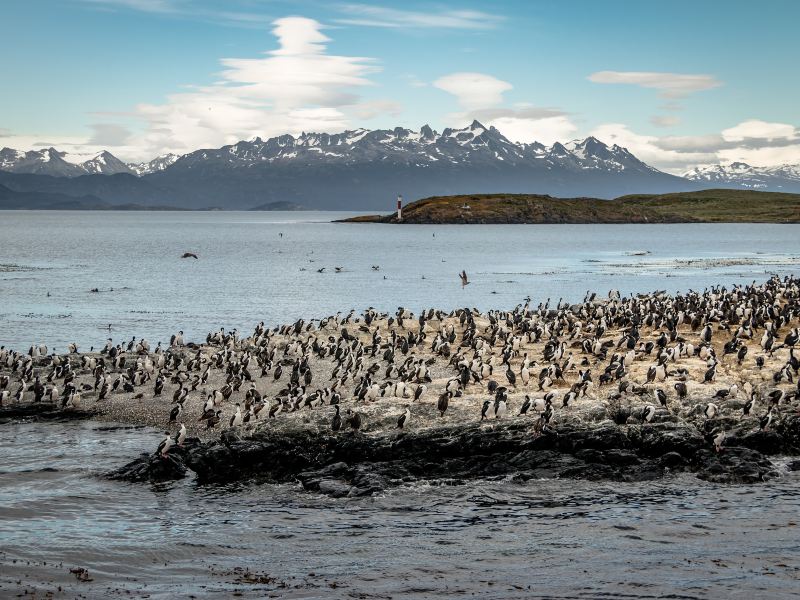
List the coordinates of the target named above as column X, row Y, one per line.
column 679, row 83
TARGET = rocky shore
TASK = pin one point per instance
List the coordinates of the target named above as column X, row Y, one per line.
column 354, row 465
column 615, row 388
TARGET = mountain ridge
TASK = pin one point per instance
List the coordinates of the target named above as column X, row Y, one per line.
column 357, row 169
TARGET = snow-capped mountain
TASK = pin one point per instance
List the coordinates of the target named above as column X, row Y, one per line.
column 356, row 169
column 59, row 164
column 475, row 144
column 159, row 163
column 39, row 162
column 105, row 163
column 784, row 178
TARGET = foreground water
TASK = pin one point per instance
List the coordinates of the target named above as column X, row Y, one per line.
column 678, row 537
column 263, row 266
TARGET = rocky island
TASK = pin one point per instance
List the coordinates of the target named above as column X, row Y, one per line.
column 707, row 206
column 616, row 388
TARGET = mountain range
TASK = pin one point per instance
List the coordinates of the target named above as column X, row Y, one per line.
column 364, row 170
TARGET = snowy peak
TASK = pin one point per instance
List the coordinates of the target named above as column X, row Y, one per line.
column 50, row 161
column 105, row 163
column 740, row 174
column 157, row 164
column 473, row 145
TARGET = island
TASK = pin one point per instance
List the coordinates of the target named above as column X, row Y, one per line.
column 615, row 387
column 706, row 206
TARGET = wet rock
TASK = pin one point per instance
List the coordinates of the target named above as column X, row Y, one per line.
column 41, row 411
column 357, row 464
column 735, row 465
column 152, row 468
column 333, row 488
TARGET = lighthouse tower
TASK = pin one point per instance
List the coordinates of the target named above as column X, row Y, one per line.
column 399, row 207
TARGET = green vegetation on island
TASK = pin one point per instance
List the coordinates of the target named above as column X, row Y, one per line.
column 706, row 206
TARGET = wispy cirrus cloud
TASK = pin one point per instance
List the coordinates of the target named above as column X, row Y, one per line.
column 369, row 15
column 186, row 9
column 669, row 85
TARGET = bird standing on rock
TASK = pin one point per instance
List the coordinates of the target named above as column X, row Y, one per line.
column 443, row 402
column 165, row 445
column 403, row 420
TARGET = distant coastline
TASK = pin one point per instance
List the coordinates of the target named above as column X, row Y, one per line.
column 706, row 206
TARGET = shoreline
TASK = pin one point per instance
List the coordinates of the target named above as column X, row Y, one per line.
column 613, row 426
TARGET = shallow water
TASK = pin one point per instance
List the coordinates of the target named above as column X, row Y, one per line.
column 248, row 272
column 498, row 539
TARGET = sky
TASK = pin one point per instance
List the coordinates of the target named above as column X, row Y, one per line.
column 681, row 83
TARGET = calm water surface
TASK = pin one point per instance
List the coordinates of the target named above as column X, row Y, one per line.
column 677, row 538
column 248, row 271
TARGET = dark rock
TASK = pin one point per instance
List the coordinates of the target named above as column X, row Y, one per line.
column 41, row 411
column 151, row 467
column 353, row 464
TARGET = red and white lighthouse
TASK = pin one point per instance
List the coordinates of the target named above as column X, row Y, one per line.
column 399, row 207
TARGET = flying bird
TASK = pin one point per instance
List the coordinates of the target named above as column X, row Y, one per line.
column 189, row 255
column 464, row 280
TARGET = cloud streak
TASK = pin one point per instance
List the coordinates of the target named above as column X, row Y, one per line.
column 669, row 85
column 368, row 15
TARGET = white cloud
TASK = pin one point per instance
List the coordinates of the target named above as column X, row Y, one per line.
column 480, row 95
column 474, row 90
column 670, row 85
column 766, row 156
column 647, row 148
column 665, row 120
column 297, row 87
column 546, row 130
column 755, row 129
column 678, row 154
column 379, row 16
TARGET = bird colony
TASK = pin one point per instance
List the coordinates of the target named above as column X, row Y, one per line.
column 714, row 358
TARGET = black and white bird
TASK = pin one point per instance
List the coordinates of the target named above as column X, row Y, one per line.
column 443, row 403
column 648, row 413
column 403, row 419
column 236, row 419
column 181, row 437
column 525, row 405
column 165, row 445
column 176, row 412
column 749, row 405
column 765, row 421
column 711, row 410
column 500, row 407
column 336, row 422
column 485, row 409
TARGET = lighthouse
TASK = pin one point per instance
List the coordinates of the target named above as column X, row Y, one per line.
column 399, row 207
